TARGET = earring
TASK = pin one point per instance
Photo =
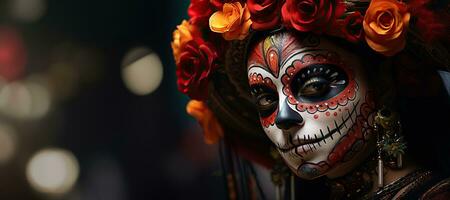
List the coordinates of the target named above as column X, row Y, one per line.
column 390, row 142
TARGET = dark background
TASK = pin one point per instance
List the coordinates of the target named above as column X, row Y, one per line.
column 128, row 146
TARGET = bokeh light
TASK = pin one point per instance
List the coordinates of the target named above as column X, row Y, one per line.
column 40, row 96
column 52, row 171
column 12, row 54
column 28, row 10
column 142, row 71
column 15, row 100
column 8, row 143
column 29, row 99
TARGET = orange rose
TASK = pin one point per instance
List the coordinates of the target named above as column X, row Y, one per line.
column 211, row 128
column 385, row 25
column 233, row 21
column 183, row 34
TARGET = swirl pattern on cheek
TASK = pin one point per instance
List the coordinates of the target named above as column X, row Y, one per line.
column 333, row 103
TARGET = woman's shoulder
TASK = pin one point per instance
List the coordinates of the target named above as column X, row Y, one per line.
column 422, row 184
column 439, row 191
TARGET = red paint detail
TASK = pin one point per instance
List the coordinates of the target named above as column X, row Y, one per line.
column 332, row 157
column 285, row 80
column 289, row 45
column 270, row 120
column 256, row 56
column 328, row 114
column 300, row 107
column 297, row 64
column 343, row 101
column 13, row 56
column 316, row 116
column 335, row 113
column 273, row 62
column 292, row 100
column 345, row 144
column 322, row 108
column 258, row 79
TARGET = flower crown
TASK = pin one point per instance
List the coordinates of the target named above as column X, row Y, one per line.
column 199, row 44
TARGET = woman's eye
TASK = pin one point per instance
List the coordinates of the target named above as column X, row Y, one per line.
column 318, row 82
column 314, row 87
column 266, row 100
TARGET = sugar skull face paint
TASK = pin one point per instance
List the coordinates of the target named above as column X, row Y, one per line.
column 313, row 102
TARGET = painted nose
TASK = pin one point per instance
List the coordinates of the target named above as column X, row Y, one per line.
column 287, row 118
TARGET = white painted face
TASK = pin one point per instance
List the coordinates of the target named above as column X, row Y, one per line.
column 313, row 102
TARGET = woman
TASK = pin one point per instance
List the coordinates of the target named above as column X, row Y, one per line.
column 347, row 92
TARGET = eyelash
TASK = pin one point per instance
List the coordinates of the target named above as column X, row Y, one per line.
column 330, row 74
column 314, row 79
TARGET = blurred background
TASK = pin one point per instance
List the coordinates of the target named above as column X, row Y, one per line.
column 89, row 107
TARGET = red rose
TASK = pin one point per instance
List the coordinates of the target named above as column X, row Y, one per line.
column 352, row 27
column 311, row 15
column 264, row 13
column 218, row 4
column 197, row 61
column 199, row 11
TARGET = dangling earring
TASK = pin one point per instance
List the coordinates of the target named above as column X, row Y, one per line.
column 379, row 156
column 390, row 143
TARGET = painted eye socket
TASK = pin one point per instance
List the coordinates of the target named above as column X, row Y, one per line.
column 318, row 82
column 266, row 99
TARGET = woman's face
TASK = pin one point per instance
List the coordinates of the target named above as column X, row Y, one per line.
column 313, row 102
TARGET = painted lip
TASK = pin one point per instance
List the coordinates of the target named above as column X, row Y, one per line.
column 297, row 143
